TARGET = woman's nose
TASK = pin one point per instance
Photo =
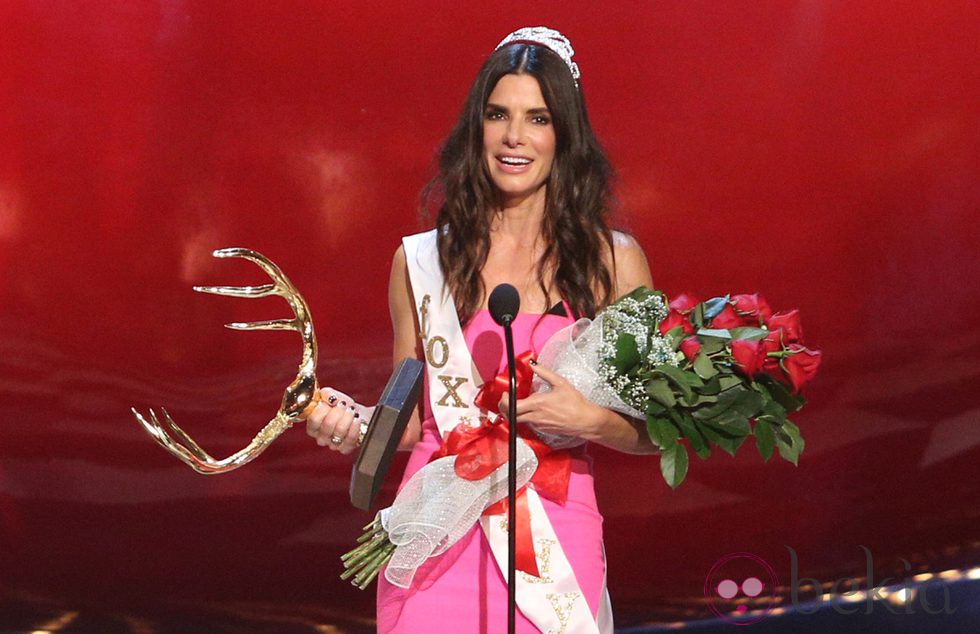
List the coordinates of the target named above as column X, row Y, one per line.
column 515, row 133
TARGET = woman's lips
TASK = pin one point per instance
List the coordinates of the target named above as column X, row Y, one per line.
column 513, row 169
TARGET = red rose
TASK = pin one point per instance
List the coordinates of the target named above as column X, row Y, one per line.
column 683, row 303
column 727, row 318
column 801, row 366
column 772, row 343
column 746, row 355
column 691, row 347
column 789, row 323
column 753, row 307
column 675, row 319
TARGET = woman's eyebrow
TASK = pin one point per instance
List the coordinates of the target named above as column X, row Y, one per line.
column 493, row 106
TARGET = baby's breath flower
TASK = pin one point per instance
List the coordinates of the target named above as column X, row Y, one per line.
column 660, row 352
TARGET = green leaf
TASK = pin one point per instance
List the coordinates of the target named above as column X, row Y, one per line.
column 675, row 336
column 730, row 425
column 725, row 401
column 639, row 294
column 729, row 381
column 673, row 465
column 655, row 409
column 749, row 404
column 627, row 353
column 714, row 306
column 787, row 451
column 704, row 367
column 697, row 316
column 727, row 443
column 686, row 375
column 660, row 390
column 720, row 436
column 794, row 432
column 662, row 432
column 764, row 439
column 715, row 333
column 712, row 345
column 789, row 442
column 701, row 399
column 690, row 431
column 712, row 385
column 781, row 394
column 774, row 410
column 677, row 377
column 748, row 332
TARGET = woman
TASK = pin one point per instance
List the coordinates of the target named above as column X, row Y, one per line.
column 524, row 189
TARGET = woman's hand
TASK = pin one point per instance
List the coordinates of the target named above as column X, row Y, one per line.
column 563, row 410
column 336, row 421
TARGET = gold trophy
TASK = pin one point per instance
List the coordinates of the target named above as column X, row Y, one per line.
column 301, row 396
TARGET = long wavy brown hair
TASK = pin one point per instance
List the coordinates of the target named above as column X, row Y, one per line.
column 578, row 191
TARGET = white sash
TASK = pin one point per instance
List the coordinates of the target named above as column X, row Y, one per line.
column 553, row 602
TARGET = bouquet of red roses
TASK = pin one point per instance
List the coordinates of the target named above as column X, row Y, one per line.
column 712, row 372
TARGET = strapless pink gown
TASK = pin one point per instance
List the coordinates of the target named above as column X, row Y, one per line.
column 463, row 590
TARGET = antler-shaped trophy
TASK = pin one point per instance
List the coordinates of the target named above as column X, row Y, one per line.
column 300, row 397
column 387, row 423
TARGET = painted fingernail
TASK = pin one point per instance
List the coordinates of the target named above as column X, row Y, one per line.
column 533, row 362
column 332, row 400
column 357, row 414
column 344, row 403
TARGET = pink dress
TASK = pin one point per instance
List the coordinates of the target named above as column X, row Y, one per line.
column 463, row 590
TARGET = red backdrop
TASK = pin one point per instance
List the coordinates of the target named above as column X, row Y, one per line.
column 824, row 153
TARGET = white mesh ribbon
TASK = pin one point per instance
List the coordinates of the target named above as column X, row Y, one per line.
column 575, row 352
column 436, row 508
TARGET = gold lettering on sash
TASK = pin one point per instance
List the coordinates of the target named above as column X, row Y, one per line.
column 424, row 317
column 562, row 605
column 430, row 351
column 451, row 383
column 543, row 554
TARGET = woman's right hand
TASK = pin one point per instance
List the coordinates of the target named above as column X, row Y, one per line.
column 336, row 421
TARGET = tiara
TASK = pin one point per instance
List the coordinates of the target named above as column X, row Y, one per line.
column 548, row 38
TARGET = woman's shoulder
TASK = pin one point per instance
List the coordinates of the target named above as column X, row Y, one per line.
column 622, row 240
column 631, row 266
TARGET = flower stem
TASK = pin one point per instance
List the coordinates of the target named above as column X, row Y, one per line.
column 365, row 561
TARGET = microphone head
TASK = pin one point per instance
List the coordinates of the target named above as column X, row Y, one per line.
column 504, row 303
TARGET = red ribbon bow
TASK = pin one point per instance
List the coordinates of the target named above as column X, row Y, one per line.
column 480, row 450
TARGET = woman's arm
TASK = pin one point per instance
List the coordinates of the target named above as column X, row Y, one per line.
column 336, row 420
column 406, row 339
column 564, row 410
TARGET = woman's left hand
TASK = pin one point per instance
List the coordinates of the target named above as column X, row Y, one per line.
column 563, row 410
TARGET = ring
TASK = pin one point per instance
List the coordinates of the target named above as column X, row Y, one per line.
column 336, row 440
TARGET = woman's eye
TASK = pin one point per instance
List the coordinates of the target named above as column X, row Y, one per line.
column 542, row 120
column 495, row 115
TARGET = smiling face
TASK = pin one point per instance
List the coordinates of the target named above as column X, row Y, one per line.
column 518, row 139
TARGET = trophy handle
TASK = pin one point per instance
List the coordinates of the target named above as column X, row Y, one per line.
column 299, row 399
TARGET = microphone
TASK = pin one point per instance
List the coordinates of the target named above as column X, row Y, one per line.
column 504, row 302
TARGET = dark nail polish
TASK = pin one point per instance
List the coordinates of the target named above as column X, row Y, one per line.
column 357, row 414
column 344, row 403
column 533, row 362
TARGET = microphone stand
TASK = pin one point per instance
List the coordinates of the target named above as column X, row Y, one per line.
column 504, row 303
column 511, row 481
